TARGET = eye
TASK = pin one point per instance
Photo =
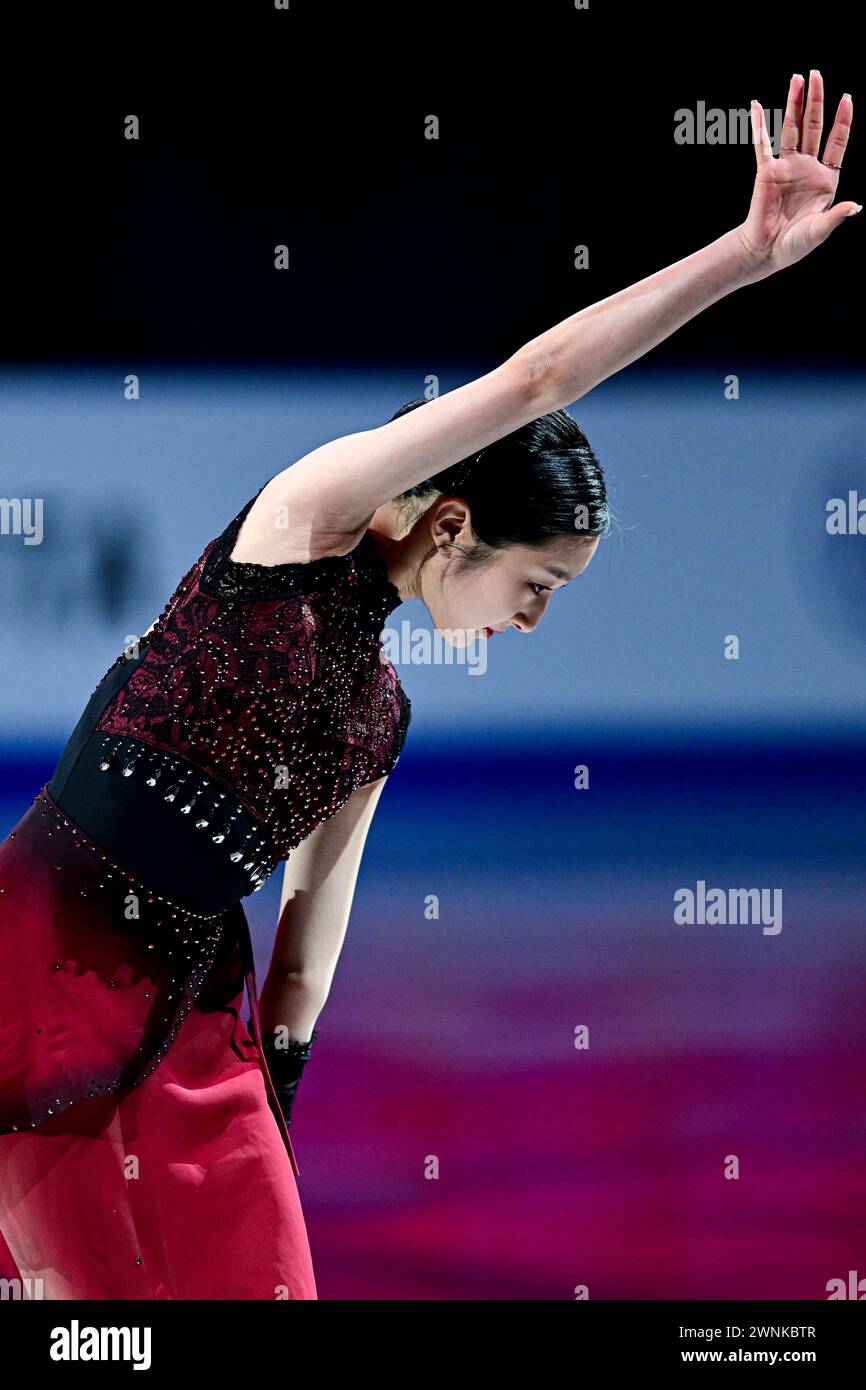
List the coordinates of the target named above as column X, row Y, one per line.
column 539, row 588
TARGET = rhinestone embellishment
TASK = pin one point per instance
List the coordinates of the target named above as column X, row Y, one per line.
column 266, row 683
column 187, row 789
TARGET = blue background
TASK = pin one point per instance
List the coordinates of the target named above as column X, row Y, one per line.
column 455, row 1036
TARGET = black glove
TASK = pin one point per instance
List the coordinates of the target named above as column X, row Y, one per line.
column 286, row 1065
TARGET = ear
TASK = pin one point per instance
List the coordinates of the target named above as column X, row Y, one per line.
column 451, row 517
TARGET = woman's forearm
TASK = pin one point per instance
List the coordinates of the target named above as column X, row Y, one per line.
column 583, row 350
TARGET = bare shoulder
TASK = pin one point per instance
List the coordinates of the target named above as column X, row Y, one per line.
column 285, row 527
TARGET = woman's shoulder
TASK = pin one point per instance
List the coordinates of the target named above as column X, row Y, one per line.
column 259, row 556
column 278, row 528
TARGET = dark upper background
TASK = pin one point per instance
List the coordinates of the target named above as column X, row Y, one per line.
column 306, row 127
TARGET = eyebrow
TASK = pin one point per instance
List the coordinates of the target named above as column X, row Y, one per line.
column 556, row 572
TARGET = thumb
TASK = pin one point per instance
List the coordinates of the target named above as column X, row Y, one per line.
column 829, row 220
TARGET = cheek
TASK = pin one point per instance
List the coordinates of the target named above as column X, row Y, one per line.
column 478, row 601
column 485, row 598
column 501, row 598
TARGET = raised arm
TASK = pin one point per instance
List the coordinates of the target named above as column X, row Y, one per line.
column 332, row 492
column 790, row 214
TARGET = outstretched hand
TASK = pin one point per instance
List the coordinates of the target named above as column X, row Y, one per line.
column 792, row 209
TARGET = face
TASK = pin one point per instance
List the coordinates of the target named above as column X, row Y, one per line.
column 512, row 591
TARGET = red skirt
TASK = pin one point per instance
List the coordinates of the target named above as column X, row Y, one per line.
column 178, row 1186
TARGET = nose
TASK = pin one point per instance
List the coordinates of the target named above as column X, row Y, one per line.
column 524, row 624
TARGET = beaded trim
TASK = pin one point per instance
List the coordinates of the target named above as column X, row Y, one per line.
column 197, row 796
column 47, row 803
column 190, row 978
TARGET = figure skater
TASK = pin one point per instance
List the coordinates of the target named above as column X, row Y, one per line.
column 144, row 1143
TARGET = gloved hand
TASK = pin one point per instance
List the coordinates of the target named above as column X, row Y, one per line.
column 286, row 1065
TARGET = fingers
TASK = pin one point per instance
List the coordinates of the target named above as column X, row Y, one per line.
column 792, row 125
column 830, row 220
column 837, row 140
column 760, row 138
column 813, row 116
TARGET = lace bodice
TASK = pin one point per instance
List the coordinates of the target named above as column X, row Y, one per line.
column 259, row 701
column 263, row 691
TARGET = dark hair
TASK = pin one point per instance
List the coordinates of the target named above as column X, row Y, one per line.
column 540, row 481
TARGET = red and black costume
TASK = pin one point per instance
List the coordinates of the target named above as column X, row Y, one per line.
column 257, row 704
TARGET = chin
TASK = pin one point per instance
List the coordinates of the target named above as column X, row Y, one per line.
column 460, row 636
